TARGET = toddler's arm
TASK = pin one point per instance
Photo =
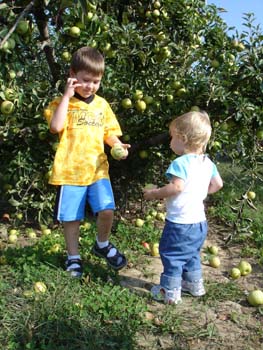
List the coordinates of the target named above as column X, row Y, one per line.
column 216, row 184
column 175, row 186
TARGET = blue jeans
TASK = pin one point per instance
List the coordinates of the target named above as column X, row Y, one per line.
column 179, row 249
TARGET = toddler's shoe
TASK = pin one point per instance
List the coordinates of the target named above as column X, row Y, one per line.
column 168, row 296
column 117, row 261
column 195, row 288
column 74, row 267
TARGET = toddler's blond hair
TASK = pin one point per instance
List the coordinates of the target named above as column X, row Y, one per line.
column 193, row 128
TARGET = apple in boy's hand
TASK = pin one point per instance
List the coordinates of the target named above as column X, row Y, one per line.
column 118, row 151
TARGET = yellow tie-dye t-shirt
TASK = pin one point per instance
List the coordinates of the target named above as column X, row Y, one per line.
column 80, row 158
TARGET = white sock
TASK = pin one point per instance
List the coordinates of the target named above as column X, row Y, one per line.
column 75, row 265
column 112, row 251
column 73, row 257
column 102, row 244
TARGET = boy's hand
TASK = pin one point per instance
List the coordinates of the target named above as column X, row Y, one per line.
column 120, row 151
column 72, row 84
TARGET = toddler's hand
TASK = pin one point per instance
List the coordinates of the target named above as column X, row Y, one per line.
column 149, row 194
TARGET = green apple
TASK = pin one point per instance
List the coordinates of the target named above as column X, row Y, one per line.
column 169, row 99
column 140, row 105
column 181, row 92
column 235, row 273
column 10, row 94
column 12, row 74
column 118, row 152
column 195, row 109
column 157, row 4
column 156, row 13
column 32, row 234
column 244, row 267
column 46, row 231
column 138, row 95
column 139, row 222
column 13, row 231
column 251, row 195
column 12, row 238
column 66, row 56
column 160, row 216
column 255, row 297
column 19, row 216
column 22, row 27
column 143, row 154
column 74, row 32
column 126, row 138
column 40, row 287
column 7, row 107
column 215, row 63
column 86, row 225
column 55, row 248
column 126, row 103
column 214, row 261
column 148, row 99
column 213, row 249
column 259, row 134
column 153, row 212
column 154, row 249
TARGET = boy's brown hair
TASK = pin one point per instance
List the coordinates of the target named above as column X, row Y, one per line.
column 88, row 59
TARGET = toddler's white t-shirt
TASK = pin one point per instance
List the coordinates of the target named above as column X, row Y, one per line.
column 197, row 172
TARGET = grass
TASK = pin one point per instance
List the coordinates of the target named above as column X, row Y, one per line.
column 97, row 312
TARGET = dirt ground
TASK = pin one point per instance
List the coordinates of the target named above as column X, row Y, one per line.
column 223, row 325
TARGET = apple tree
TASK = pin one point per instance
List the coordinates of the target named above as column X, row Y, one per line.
column 163, row 58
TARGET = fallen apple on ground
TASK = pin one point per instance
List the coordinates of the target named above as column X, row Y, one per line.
column 40, row 287
column 255, row 297
column 213, row 249
column 235, row 273
column 12, row 238
column 214, row 261
column 139, row 222
column 146, row 245
column 155, row 249
column 244, row 267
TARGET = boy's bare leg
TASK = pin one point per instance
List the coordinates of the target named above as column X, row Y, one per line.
column 104, row 224
column 71, row 233
column 102, row 248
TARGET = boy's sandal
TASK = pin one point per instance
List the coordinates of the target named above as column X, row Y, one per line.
column 74, row 271
column 117, row 262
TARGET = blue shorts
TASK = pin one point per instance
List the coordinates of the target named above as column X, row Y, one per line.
column 71, row 200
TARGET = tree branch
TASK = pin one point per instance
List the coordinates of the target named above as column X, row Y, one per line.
column 152, row 141
column 42, row 26
column 22, row 15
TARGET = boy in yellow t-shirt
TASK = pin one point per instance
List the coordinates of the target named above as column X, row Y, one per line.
column 84, row 122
